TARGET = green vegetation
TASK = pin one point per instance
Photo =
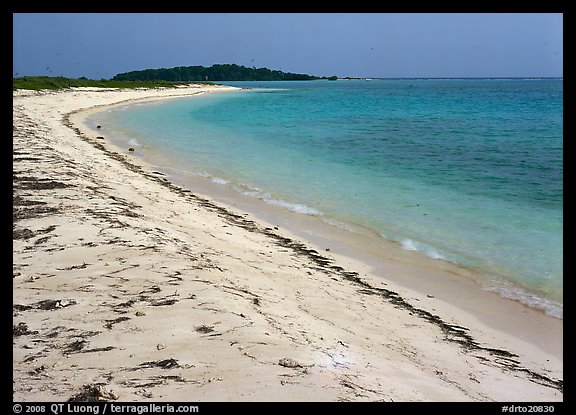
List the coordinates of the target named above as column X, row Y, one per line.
column 219, row 72
column 60, row 82
column 155, row 78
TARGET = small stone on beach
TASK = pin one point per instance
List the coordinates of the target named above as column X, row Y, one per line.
column 288, row 362
column 204, row 329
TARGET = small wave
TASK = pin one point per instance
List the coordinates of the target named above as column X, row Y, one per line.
column 248, row 190
column 504, row 289
column 267, row 198
column 430, row 252
column 409, row 245
column 254, row 193
column 134, row 142
column 294, row 207
column 507, row 290
column 219, row 180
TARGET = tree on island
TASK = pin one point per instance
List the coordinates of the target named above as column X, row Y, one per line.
column 218, row 72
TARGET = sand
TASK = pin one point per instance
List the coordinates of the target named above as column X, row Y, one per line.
column 139, row 289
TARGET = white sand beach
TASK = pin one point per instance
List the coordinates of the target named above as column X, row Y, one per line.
column 134, row 288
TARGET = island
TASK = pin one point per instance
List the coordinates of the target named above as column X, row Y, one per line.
column 217, row 72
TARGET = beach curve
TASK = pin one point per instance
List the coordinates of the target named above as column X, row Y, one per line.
column 175, row 297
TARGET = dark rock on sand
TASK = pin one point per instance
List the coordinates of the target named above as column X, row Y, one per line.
column 94, row 393
column 21, row 329
column 288, row 362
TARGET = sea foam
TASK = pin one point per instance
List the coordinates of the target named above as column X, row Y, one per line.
column 269, row 199
column 219, row 180
column 430, row 252
column 508, row 290
column 294, row 207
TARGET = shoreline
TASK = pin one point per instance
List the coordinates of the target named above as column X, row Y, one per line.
column 229, row 191
column 250, row 257
column 452, row 283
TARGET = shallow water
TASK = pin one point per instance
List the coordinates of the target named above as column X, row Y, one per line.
column 466, row 171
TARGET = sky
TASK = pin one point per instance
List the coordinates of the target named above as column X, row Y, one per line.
column 374, row 45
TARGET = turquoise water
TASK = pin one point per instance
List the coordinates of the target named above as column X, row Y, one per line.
column 467, row 171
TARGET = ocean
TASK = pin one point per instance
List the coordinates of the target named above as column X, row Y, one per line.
column 468, row 171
